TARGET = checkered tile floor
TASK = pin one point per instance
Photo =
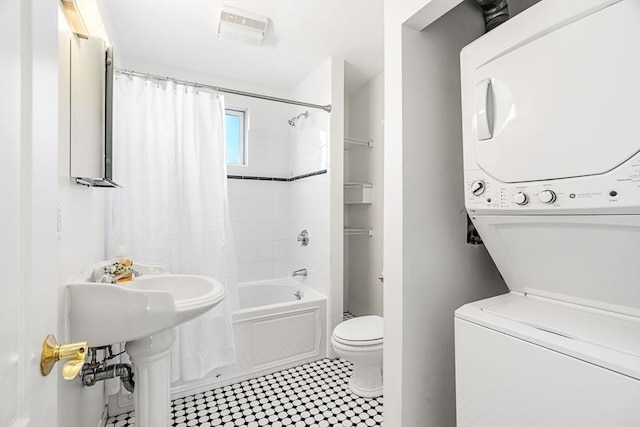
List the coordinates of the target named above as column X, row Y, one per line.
column 314, row 394
column 346, row 316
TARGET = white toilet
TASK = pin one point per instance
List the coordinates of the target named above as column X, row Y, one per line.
column 359, row 341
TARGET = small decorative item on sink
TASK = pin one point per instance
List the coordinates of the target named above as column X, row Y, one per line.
column 119, row 272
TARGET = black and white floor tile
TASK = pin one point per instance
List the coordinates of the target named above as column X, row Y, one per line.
column 347, row 315
column 315, row 394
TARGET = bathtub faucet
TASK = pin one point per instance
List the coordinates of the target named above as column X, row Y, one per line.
column 301, row 272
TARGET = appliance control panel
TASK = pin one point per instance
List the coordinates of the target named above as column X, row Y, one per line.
column 615, row 192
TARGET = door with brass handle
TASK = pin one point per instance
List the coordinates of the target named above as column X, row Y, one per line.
column 52, row 352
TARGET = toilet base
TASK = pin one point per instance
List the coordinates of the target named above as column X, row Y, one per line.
column 366, row 381
column 363, row 392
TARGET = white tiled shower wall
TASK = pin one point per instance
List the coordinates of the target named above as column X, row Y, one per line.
column 310, row 211
column 268, row 146
column 316, row 202
column 259, row 209
column 309, row 199
column 267, row 216
column 260, row 222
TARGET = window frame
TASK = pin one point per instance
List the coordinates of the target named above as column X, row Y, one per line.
column 243, row 114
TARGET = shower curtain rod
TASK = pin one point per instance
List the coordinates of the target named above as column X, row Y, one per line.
column 326, row 108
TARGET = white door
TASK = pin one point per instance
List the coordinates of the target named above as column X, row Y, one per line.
column 28, row 182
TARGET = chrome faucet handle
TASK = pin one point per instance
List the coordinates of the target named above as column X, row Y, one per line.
column 111, row 276
column 303, row 238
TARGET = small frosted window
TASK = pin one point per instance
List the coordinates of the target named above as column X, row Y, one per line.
column 235, row 128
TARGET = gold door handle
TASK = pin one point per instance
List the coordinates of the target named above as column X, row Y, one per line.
column 52, row 352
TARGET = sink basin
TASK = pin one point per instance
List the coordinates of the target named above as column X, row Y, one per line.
column 104, row 314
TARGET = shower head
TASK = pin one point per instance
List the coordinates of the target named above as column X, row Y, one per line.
column 293, row 120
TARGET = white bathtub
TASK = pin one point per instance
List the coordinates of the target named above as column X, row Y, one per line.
column 273, row 330
column 273, row 292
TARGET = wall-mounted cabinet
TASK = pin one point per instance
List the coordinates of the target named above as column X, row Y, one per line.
column 91, row 79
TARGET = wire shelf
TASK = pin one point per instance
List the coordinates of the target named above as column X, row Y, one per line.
column 357, row 185
column 356, row 231
column 358, row 142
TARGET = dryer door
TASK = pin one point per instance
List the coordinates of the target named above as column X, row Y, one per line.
column 589, row 260
column 559, row 102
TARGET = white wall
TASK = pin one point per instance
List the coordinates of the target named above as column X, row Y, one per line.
column 363, row 262
column 316, row 202
column 309, row 210
column 310, row 197
column 395, row 14
column 268, row 137
column 336, row 184
column 441, row 272
column 260, row 223
column 429, row 269
column 260, row 209
column 309, row 139
column 80, row 243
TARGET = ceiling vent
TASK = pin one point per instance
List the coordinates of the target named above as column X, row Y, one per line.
column 242, row 26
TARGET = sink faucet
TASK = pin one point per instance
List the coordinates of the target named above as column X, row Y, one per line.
column 301, row 272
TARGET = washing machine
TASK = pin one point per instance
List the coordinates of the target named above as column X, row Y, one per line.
column 551, row 135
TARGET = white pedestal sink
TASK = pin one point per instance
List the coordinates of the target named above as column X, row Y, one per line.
column 142, row 313
column 152, row 374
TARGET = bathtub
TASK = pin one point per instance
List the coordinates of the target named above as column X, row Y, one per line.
column 280, row 324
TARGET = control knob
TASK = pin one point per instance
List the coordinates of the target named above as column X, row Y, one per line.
column 547, row 196
column 478, row 187
column 521, row 198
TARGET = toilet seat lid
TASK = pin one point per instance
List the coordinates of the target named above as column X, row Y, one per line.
column 359, row 329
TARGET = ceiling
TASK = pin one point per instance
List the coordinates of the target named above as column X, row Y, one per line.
column 301, row 35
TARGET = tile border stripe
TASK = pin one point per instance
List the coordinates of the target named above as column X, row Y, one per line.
column 270, row 178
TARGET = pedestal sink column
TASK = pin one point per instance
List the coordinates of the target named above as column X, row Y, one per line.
column 152, row 375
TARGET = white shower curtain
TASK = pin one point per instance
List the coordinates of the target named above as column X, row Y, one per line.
column 169, row 158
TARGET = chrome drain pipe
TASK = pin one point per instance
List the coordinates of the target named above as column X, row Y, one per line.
column 95, row 370
column 101, row 373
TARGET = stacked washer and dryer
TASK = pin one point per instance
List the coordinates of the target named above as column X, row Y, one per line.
column 551, row 129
